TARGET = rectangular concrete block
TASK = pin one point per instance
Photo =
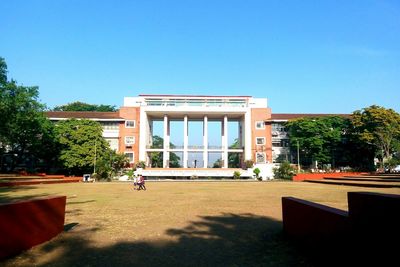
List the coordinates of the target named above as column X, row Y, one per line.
column 25, row 224
column 375, row 214
column 313, row 223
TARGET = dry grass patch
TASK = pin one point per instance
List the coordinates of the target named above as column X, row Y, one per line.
column 174, row 223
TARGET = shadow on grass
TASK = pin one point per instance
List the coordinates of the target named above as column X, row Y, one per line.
column 80, row 202
column 224, row 240
column 6, row 193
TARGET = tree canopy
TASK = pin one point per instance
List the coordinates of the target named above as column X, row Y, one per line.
column 378, row 127
column 24, row 129
column 111, row 164
column 157, row 157
column 81, row 143
column 317, row 137
column 371, row 132
column 81, row 106
column 3, row 71
column 234, row 158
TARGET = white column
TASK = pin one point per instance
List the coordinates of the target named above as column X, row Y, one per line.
column 205, row 141
column 225, row 142
column 166, row 143
column 185, row 141
column 247, row 135
column 241, row 139
column 144, row 134
column 240, row 133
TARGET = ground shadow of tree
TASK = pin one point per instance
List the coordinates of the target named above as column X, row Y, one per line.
column 6, row 193
column 223, row 240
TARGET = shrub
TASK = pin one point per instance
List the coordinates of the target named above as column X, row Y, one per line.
column 141, row 164
column 236, row 175
column 392, row 163
column 97, row 177
column 248, row 164
column 256, row 172
column 285, row 171
column 130, row 174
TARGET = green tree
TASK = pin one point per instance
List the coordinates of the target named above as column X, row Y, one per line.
column 379, row 128
column 81, row 106
column 248, row 164
column 24, row 129
column 319, row 138
column 285, row 171
column 3, row 71
column 111, row 164
column 157, row 157
column 234, row 158
column 256, row 172
column 81, row 145
column 218, row 163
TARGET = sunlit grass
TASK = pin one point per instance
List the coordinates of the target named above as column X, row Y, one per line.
column 174, row 218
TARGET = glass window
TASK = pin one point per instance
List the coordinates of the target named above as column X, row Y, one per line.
column 130, row 156
column 113, row 143
column 276, row 144
column 260, row 157
column 285, row 142
column 129, row 140
column 130, row 124
column 278, row 127
column 110, row 125
column 260, row 141
column 260, row 125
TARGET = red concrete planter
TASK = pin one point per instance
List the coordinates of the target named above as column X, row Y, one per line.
column 41, row 181
column 25, row 224
column 317, row 176
column 365, row 236
column 311, row 222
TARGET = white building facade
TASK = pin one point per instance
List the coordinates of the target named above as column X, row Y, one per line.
column 253, row 137
column 144, row 129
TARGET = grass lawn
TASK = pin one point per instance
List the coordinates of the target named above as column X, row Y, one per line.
column 174, row 223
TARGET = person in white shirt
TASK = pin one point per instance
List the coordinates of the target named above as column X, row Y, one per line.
column 135, row 182
column 141, row 183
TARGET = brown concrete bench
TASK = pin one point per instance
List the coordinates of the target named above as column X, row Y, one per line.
column 313, row 223
column 367, row 209
column 368, row 234
column 375, row 222
column 24, row 224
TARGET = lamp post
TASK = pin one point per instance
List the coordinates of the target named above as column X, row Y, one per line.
column 95, row 152
column 298, row 156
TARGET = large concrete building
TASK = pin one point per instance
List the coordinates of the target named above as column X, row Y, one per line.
column 132, row 130
column 195, row 135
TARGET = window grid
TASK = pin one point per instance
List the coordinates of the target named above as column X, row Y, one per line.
column 130, row 156
column 260, row 125
column 129, row 140
column 130, row 124
column 260, row 141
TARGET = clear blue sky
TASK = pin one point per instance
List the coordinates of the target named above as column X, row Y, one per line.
column 304, row 56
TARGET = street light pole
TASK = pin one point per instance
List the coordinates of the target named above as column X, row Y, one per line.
column 298, row 156
column 95, row 152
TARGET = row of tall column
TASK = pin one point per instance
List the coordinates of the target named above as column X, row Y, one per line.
column 224, row 137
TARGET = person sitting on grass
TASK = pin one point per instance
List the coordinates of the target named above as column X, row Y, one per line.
column 141, row 183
